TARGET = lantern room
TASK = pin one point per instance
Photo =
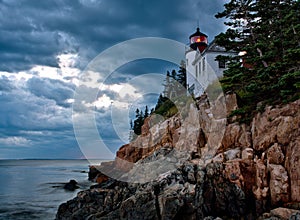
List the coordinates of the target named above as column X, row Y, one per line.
column 198, row 40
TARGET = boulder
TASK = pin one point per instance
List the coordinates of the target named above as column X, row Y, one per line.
column 247, row 154
column 71, row 185
column 170, row 201
column 233, row 173
column 232, row 154
column 283, row 213
column 261, row 187
column 279, row 124
column 275, row 154
column 93, row 172
column 279, row 184
column 292, row 164
column 236, row 135
column 231, row 103
column 287, row 128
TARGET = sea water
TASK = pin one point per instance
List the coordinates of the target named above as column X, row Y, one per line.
column 33, row 189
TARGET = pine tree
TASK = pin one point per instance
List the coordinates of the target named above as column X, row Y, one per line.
column 131, row 125
column 137, row 113
column 131, row 132
column 138, row 122
column 268, row 33
column 146, row 112
column 140, row 117
column 173, row 85
column 181, row 77
column 160, row 102
column 167, row 85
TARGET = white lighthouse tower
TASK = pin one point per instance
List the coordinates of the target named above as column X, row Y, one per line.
column 197, row 44
column 201, row 64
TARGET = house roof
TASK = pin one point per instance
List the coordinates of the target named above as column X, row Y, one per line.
column 213, row 47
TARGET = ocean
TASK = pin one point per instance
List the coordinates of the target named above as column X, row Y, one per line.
column 33, row 189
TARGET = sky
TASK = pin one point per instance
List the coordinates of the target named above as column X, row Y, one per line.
column 45, row 48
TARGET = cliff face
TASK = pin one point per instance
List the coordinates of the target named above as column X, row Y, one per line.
column 196, row 165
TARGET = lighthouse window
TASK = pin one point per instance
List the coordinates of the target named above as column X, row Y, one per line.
column 203, row 64
column 196, row 39
column 196, row 71
column 199, row 68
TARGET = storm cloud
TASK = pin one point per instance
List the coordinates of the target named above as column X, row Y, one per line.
column 34, row 32
column 45, row 47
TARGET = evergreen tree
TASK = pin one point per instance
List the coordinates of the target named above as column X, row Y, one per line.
column 131, row 125
column 146, row 112
column 138, row 122
column 174, row 75
column 181, row 77
column 160, row 101
column 174, row 87
column 167, row 85
column 175, row 83
column 131, row 133
column 268, row 34
column 137, row 113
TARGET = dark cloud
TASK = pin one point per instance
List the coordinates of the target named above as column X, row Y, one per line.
column 35, row 117
column 52, row 89
column 35, row 32
column 31, row 113
column 32, row 122
column 135, row 68
column 5, row 84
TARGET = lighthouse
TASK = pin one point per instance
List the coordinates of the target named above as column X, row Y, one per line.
column 197, row 44
column 202, row 65
column 198, row 40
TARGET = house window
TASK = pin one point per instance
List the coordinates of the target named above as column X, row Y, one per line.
column 222, row 64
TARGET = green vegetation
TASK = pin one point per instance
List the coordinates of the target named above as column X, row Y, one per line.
column 268, row 34
column 137, row 124
column 165, row 107
column 168, row 108
column 173, row 96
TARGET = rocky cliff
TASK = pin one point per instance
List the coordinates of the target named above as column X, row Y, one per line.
column 199, row 164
